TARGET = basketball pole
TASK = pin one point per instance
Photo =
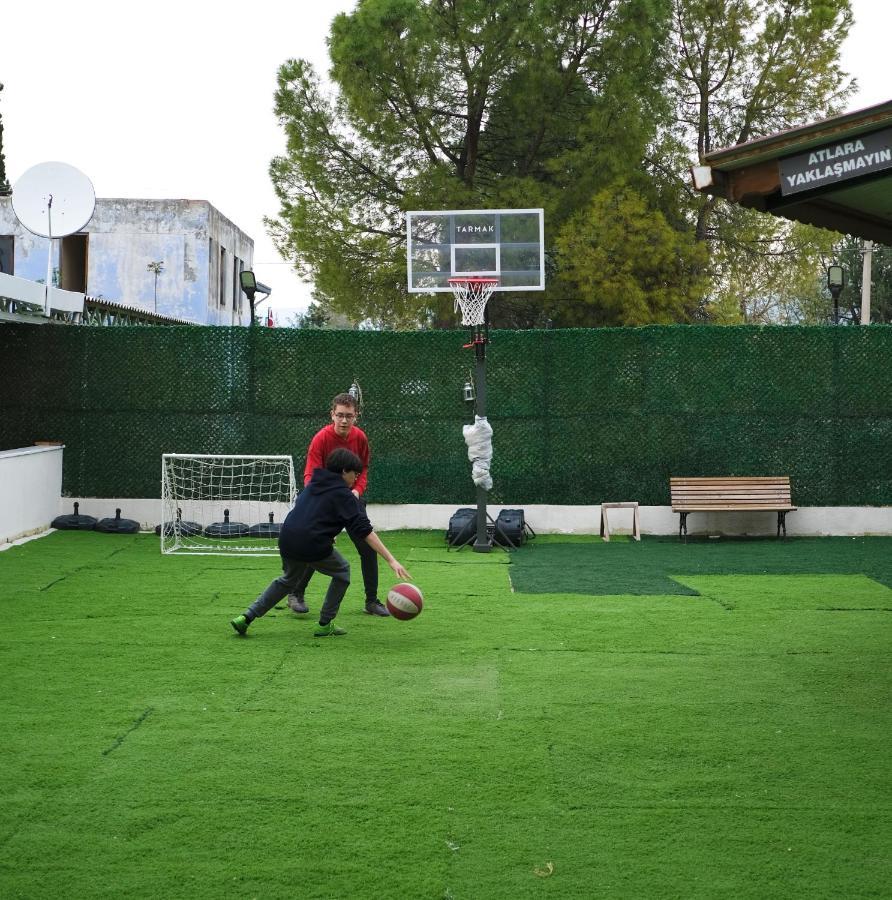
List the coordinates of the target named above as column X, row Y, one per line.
column 482, row 543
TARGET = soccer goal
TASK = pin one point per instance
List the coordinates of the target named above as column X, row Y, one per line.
column 225, row 505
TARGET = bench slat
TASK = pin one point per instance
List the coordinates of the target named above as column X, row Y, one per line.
column 732, row 489
column 698, row 479
column 731, row 492
column 736, row 492
column 741, row 498
column 727, row 507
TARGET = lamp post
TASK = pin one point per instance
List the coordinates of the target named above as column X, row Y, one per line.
column 836, row 281
column 251, row 286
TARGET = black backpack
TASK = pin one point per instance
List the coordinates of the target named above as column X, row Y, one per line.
column 462, row 527
column 511, row 529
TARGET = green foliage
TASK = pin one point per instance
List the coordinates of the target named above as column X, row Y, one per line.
column 548, row 103
column 848, row 253
column 445, row 105
column 628, row 263
column 745, row 68
column 317, row 316
column 767, row 270
column 742, row 69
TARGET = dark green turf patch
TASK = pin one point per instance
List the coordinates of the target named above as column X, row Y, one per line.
column 650, row 567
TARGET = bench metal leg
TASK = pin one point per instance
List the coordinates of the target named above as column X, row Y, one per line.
column 683, row 525
column 781, row 522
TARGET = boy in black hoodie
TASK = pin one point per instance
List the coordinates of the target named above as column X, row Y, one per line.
column 325, row 507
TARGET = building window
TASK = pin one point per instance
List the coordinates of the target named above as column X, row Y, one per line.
column 73, row 263
column 213, row 281
column 7, row 256
column 222, row 276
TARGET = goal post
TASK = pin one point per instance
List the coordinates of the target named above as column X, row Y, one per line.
column 230, row 505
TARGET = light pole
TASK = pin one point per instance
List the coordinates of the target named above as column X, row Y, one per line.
column 836, row 281
column 157, row 267
column 251, row 286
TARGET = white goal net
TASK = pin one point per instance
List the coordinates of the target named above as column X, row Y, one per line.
column 229, row 505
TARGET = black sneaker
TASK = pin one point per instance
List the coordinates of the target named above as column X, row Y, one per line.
column 375, row 608
column 297, row 604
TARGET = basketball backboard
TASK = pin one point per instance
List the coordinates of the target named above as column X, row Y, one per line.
column 506, row 244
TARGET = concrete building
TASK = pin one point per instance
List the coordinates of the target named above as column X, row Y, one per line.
column 200, row 253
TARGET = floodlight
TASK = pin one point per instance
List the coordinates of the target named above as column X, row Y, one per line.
column 836, row 280
column 248, row 282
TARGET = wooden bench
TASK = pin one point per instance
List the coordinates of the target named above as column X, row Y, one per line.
column 731, row 494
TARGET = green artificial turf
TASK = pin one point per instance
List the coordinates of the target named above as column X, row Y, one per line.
column 719, row 728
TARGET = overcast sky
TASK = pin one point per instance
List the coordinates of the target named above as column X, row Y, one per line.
column 175, row 99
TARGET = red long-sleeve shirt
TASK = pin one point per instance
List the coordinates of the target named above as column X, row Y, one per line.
column 326, row 440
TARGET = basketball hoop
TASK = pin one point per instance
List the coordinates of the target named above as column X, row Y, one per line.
column 471, row 295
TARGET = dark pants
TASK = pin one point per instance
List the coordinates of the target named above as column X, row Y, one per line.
column 294, row 571
column 368, row 561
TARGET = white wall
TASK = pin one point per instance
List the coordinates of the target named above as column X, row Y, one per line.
column 815, row 520
column 30, row 486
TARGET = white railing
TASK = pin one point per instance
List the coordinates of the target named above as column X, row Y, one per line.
column 26, row 297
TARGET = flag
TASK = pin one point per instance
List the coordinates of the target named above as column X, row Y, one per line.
column 269, row 318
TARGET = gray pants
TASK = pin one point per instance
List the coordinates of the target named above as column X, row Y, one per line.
column 368, row 561
column 293, row 570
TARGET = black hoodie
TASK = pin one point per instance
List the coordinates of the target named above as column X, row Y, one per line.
column 324, row 508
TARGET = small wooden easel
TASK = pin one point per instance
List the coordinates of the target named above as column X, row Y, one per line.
column 636, row 522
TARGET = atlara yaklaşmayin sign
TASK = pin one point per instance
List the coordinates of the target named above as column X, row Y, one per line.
column 836, row 162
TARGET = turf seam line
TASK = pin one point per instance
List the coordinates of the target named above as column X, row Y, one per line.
column 120, row 740
column 852, row 609
column 265, row 681
column 729, row 607
column 46, row 587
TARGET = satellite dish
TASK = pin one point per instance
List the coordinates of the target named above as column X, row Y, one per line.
column 53, row 199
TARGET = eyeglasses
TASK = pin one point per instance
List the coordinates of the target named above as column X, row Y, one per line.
column 344, row 417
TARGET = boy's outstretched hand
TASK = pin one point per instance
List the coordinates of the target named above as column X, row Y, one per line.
column 377, row 545
column 399, row 570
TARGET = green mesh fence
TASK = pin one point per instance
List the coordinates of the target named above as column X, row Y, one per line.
column 579, row 416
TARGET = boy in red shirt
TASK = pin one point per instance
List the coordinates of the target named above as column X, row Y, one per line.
column 343, row 433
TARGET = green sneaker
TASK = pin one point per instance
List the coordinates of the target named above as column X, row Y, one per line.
column 326, row 630
column 240, row 624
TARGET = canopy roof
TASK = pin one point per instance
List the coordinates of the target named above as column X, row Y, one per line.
column 836, row 173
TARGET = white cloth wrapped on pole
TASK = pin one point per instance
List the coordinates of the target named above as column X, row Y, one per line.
column 478, row 437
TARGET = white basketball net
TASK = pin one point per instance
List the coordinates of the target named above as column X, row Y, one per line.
column 471, row 296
